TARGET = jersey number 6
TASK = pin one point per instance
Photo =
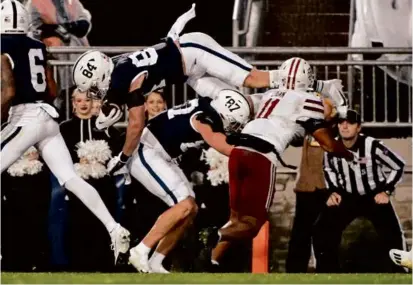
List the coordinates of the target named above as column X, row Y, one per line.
column 37, row 70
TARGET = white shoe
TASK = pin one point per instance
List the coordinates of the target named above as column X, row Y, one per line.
column 120, row 240
column 139, row 261
column 159, row 269
column 401, row 258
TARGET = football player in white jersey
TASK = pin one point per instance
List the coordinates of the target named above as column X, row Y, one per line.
column 186, row 58
column 281, row 116
column 27, row 85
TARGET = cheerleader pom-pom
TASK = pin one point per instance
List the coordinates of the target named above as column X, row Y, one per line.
column 94, row 150
column 82, row 170
column 17, row 168
column 97, row 170
column 218, row 164
column 33, row 167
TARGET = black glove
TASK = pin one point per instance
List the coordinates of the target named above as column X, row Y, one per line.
column 78, row 28
column 53, row 30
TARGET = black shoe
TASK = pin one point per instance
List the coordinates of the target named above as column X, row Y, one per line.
column 213, row 237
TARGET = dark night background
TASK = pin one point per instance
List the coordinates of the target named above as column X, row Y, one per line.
column 142, row 23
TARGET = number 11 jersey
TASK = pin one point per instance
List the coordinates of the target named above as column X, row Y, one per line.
column 161, row 65
column 28, row 60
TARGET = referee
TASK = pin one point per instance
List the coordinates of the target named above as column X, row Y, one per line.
column 358, row 190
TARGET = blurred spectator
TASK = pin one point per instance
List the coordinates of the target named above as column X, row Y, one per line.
column 90, row 150
column 96, row 104
column 384, row 24
column 60, row 23
column 24, row 205
column 154, row 104
column 311, row 196
column 358, row 190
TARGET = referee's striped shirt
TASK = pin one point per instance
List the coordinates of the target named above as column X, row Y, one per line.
column 367, row 176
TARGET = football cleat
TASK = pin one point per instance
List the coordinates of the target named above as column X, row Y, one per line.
column 139, row 261
column 401, row 258
column 120, row 240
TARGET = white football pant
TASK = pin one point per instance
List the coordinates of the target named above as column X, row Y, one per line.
column 203, row 56
column 33, row 125
column 28, row 126
column 160, row 175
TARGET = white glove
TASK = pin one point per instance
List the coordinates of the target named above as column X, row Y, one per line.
column 342, row 111
column 180, row 23
column 332, row 89
column 104, row 122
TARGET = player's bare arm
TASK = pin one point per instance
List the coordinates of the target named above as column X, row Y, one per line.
column 51, row 83
column 137, row 82
column 213, row 139
column 329, row 144
column 134, row 130
column 7, row 85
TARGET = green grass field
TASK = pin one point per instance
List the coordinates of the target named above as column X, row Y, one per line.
column 201, row 278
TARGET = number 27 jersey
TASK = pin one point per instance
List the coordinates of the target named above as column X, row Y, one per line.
column 161, row 65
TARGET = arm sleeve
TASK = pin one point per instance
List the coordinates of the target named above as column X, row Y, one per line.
column 391, row 160
column 84, row 17
column 330, row 175
column 311, row 124
column 135, row 99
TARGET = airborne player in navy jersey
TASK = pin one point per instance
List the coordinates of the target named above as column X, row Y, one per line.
column 27, row 85
column 166, row 137
column 179, row 59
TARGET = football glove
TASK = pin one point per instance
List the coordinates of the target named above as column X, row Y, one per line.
column 332, row 89
column 105, row 121
column 117, row 165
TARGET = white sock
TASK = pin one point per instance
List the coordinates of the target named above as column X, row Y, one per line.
column 156, row 259
column 214, row 262
column 142, row 248
column 180, row 23
column 91, row 199
column 274, row 78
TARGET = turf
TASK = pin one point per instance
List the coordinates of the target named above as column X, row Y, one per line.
column 201, row 278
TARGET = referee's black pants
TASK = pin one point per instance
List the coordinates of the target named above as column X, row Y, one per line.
column 307, row 209
column 333, row 221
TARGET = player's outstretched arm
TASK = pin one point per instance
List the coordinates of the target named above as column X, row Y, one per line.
column 213, row 139
column 329, row 144
column 7, row 85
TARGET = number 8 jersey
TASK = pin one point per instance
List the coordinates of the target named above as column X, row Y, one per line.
column 161, row 64
column 28, row 59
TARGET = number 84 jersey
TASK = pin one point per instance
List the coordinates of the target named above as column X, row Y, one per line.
column 28, row 59
column 173, row 128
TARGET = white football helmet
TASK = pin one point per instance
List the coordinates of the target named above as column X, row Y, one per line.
column 14, row 18
column 92, row 71
column 233, row 108
column 296, row 74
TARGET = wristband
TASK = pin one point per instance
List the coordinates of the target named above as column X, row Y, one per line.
column 123, row 157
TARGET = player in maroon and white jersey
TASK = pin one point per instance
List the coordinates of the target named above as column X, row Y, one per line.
column 282, row 115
